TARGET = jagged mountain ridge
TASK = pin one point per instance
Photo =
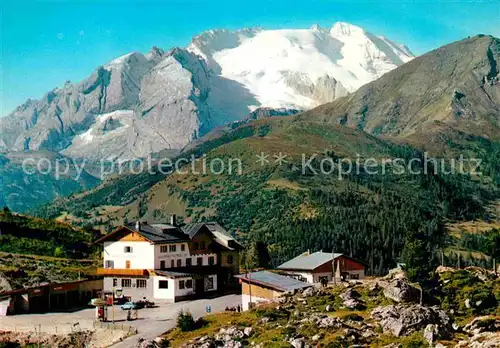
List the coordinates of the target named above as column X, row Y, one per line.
column 167, row 99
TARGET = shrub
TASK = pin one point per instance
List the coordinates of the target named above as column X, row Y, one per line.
column 185, row 321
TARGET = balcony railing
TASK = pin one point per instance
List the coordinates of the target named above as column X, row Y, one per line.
column 123, row 272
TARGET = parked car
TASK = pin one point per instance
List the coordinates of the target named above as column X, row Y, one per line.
column 145, row 304
column 130, row 305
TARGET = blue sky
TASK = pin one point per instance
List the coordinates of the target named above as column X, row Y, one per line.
column 44, row 43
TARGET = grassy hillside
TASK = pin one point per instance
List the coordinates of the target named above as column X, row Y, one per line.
column 292, row 209
column 26, row 235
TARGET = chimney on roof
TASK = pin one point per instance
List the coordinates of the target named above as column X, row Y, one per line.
column 172, row 219
column 137, row 225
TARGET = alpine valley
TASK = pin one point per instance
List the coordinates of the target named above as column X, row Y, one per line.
column 443, row 104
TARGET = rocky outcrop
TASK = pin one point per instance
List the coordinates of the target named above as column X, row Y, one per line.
column 484, row 333
column 400, row 290
column 482, row 340
column 485, row 323
column 352, row 299
column 230, row 337
column 4, row 284
column 51, row 122
column 402, row 320
column 311, row 291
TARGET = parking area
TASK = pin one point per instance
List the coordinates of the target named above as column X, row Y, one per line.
column 151, row 322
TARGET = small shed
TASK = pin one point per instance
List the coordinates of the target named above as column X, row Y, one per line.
column 265, row 286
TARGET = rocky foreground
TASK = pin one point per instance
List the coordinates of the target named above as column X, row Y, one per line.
column 460, row 310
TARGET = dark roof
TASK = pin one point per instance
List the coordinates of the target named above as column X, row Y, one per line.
column 309, row 262
column 222, row 237
column 273, row 280
column 172, row 274
column 192, row 229
column 160, row 233
column 156, row 233
column 165, row 233
column 193, row 271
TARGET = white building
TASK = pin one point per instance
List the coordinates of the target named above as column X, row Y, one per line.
column 162, row 261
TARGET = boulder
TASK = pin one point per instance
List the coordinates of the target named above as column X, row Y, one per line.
column 329, row 308
column 431, row 333
column 443, row 269
column 400, row 290
column 248, row 331
column 229, row 334
column 330, row 322
column 395, row 273
column 354, row 304
column 316, row 337
column 481, row 273
column 232, row 344
column 350, row 294
column 352, row 299
column 485, row 323
column 298, row 343
column 143, row 343
column 402, row 320
column 311, row 291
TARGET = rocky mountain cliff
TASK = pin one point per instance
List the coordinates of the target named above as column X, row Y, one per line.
column 454, row 87
column 138, row 104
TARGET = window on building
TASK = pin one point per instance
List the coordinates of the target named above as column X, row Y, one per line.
column 203, row 245
column 126, row 283
column 188, row 262
column 195, row 246
column 182, row 284
column 199, row 261
column 211, row 260
column 189, row 284
column 172, row 263
column 179, row 263
column 172, row 248
column 127, row 249
column 183, row 247
column 115, row 282
column 163, row 248
column 210, row 283
column 109, row 264
column 140, row 283
column 230, row 259
column 162, row 264
column 163, row 284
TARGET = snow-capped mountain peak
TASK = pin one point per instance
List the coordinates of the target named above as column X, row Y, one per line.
column 340, row 29
column 297, row 68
